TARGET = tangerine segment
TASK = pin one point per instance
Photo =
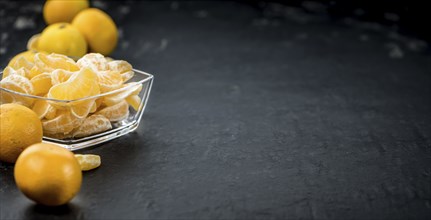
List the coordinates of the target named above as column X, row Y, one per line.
column 80, row 85
column 34, row 72
column 95, row 61
column 22, row 62
column 116, row 112
column 17, row 83
column 134, row 101
column 123, row 67
column 60, row 76
column 109, row 80
column 11, row 71
column 88, row 161
column 32, row 45
column 64, row 123
column 52, row 113
column 81, row 109
column 29, row 56
column 93, row 108
column 41, row 83
column 120, row 96
column 93, row 125
column 54, row 61
column 42, row 108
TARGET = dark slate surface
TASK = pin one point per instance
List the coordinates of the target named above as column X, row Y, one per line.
column 257, row 112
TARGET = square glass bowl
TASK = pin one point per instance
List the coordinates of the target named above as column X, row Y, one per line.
column 66, row 131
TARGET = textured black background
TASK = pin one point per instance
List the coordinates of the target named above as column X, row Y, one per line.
column 258, row 111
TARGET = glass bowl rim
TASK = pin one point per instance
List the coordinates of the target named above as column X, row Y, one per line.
column 131, row 84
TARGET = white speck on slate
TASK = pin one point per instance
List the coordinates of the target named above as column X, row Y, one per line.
column 395, row 51
column 392, row 17
column 175, row 5
column 359, row 12
column 201, row 14
column 120, row 33
column 31, row 8
column 2, row 50
column 302, row 36
column 124, row 45
column 163, row 44
column 99, row 4
column 125, row 9
column 364, row 37
column 260, row 22
column 417, row 45
column 24, row 23
column 4, row 36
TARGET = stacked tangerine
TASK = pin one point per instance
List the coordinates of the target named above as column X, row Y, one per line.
column 73, row 103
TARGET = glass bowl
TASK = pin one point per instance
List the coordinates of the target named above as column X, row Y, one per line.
column 67, row 131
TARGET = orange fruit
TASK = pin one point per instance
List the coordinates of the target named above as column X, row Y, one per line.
column 99, row 30
column 20, row 127
column 62, row 10
column 62, row 38
column 48, row 174
column 116, row 112
column 93, row 125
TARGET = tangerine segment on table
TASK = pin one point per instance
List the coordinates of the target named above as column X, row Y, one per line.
column 88, row 161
